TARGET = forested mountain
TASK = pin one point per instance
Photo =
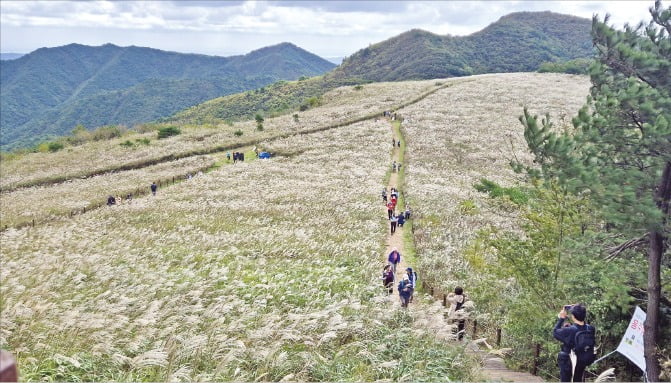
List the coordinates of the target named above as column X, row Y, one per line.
column 51, row 90
column 518, row 42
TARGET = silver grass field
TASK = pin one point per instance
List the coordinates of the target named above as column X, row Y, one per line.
column 268, row 269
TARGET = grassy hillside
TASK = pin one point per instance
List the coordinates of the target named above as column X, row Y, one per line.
column 50, row 91
column 519, row 42
column 268, row 269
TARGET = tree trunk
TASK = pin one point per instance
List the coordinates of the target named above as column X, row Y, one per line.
column 652, row 316
column 655, row 253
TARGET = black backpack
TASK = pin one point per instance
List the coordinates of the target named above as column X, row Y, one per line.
column 584, row 341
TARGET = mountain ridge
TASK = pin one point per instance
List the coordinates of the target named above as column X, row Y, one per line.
column 41, row 90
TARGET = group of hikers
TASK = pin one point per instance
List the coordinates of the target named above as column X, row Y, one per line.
column 237, row 156
column 395, row 220
column 406, row 287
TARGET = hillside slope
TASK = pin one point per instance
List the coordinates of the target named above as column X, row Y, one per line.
column 246, row 272
column 50, row 91
column 518, row 42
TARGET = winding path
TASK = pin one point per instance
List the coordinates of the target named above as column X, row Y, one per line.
column 429, row 313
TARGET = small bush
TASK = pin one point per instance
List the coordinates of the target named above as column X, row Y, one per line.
column 238, row 133
column 143, row 141
column 295, row 117
column 108, row 132
column 516, row 195
column 168, row 131
column 303, row 107
column 127, row 144
column 468, row 207
column 358, row 87
column 55, row 146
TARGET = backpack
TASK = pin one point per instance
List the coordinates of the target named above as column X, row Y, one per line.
column 584, row 341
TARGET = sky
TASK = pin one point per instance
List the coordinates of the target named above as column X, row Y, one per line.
column 330, row 29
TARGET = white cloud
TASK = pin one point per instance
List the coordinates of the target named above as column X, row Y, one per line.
column 329, row 28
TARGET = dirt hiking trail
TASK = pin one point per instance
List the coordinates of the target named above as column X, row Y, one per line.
column 428, row 313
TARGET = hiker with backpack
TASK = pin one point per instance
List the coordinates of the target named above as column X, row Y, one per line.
column 405, row 290
column 457, row 300
column 388, row 279
column 579, row 338
column 412, row 277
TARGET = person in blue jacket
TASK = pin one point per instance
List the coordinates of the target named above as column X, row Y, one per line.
column 567, row 335
column 405, row 290
column 394, row 258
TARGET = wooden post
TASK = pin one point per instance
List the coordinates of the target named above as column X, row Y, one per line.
column 444, row 300
column 498, row 337
column 537, row 354
column 475, row 327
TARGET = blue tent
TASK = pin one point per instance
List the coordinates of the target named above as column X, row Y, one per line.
column 264, row 155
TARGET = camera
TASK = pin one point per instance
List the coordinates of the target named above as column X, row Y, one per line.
column 568, row 308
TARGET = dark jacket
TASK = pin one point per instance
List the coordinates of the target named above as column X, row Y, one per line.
column 391, row 257
column 566, row 335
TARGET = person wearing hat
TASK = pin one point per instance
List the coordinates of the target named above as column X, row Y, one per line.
column 567, row 335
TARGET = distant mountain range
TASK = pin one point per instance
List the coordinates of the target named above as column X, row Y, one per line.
column 518, row 42
column 48, row 92
column 51, row 90
column 10, row 56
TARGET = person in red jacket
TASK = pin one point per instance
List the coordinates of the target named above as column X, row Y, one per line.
column 390, row 209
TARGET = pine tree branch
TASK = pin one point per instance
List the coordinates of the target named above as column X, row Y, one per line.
column 615, row 251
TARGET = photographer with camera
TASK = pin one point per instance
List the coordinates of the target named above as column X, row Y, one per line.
column 579, row 338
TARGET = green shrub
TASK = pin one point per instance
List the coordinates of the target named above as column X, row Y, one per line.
column 55, row 146
column 168, row 131
column 127, row 144
column 358, row 87
column 108, row 132
column 516, row 195
column 468, row 207
column 238, row 133
column 143, row 141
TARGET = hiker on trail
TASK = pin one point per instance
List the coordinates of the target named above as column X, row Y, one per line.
column 407, row 212
column 398, row 167
column 393, row 222
column 394, row 192
column 405, row 290
column 384, row 195
column 412, row 277
column 393, row 142
column 394, row 200
column 235, row 157
column 111, row 200
column 129, row 197
column 153, row 188
column 401, row 219
column 393, row 166
column 579, row 337
column 399, row 143
column 388, row 279
column 390, row 209
column 228, row 156
column 394, row 258
column 457, row 300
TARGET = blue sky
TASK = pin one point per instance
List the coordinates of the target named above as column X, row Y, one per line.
column 224, row 28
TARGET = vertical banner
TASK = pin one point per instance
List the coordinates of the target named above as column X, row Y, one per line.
column 631, row 344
